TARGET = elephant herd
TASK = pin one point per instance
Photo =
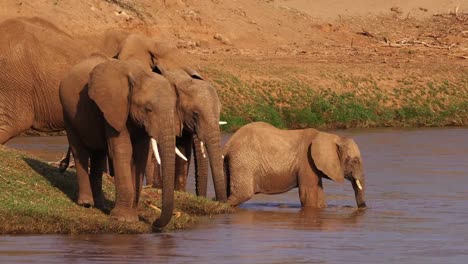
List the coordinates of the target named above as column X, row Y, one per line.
column 128, row 98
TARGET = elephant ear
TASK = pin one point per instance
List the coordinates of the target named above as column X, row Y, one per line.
column 325, row 154
column 110, row 87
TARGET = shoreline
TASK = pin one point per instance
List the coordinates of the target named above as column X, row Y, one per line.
column 37, row 199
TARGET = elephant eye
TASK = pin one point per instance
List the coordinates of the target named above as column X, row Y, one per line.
column 196, row 115
column 157, row 70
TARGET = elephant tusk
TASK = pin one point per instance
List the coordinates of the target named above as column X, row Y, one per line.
column 154, row 145
column 358, row 183
column 222, row 122
column 177, row 151
column 202, row 149
column 222, row 156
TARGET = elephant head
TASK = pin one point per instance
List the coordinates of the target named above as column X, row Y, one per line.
column 199, row 109
column 139, row 49
column 339, row 158
column 131, row 99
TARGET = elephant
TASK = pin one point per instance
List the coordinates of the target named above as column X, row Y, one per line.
column 34, row 56
column 199, row 111
column 115, row 107
column 260, row 158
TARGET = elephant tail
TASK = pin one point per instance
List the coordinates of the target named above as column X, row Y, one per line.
column 227, row 176
column 64, row 163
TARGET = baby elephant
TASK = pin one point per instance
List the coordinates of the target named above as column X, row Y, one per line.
column 260, row 158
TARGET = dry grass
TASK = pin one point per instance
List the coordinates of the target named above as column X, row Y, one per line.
column 343, row 100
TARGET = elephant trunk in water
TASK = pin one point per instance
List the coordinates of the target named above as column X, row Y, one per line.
column 359, row 191
column 213, row 146
column 167, row 143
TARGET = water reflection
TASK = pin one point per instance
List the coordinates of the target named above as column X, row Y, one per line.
column 329, row 219
column 418, row 211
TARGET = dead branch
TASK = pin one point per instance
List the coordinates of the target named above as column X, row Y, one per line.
column 408, row 42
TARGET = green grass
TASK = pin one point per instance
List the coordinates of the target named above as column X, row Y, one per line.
column 35, row 198
column 290, row 103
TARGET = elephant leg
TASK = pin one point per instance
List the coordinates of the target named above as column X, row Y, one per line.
column 157, row 178
column 235, row 200
column 98, row 165
column 17, row 115
column 121, row 152
column 201, row 167
column 321, row 200
column 149, row 170
column 110, row 166
column 184, row 144
column 310, row 191
column 241, row 190
column 5, row 134
column 153, row 173
column 81, row 156
column 140, row 158
column 11, row 128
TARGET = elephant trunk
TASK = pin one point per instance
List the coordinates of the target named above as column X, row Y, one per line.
column 201, row 167
column 167, row 143
column 359, row 186
column 216, row 161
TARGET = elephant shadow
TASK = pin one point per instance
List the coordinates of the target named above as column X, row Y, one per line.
column 66, row 182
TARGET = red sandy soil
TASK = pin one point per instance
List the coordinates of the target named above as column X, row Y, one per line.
column 387, row 40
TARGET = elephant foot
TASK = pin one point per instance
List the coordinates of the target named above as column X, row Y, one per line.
column 321, row 204
column 86, row 201
column 125, row 214
column 362, row 205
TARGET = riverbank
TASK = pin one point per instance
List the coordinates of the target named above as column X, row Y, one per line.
column 37, row 199
column 350, row 100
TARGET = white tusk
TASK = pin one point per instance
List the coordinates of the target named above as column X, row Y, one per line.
column 177, row 151
column 222, row 156
column 359, row 184
column 154, row 145
column 222, row 122
column 202, row 149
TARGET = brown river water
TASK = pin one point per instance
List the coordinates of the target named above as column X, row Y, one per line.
column 417, row 197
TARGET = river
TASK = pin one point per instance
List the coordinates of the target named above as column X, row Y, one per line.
column 417, row 183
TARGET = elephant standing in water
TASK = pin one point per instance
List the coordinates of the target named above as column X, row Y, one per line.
column 115, row 108
column 34, row 56
column 260, row 158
